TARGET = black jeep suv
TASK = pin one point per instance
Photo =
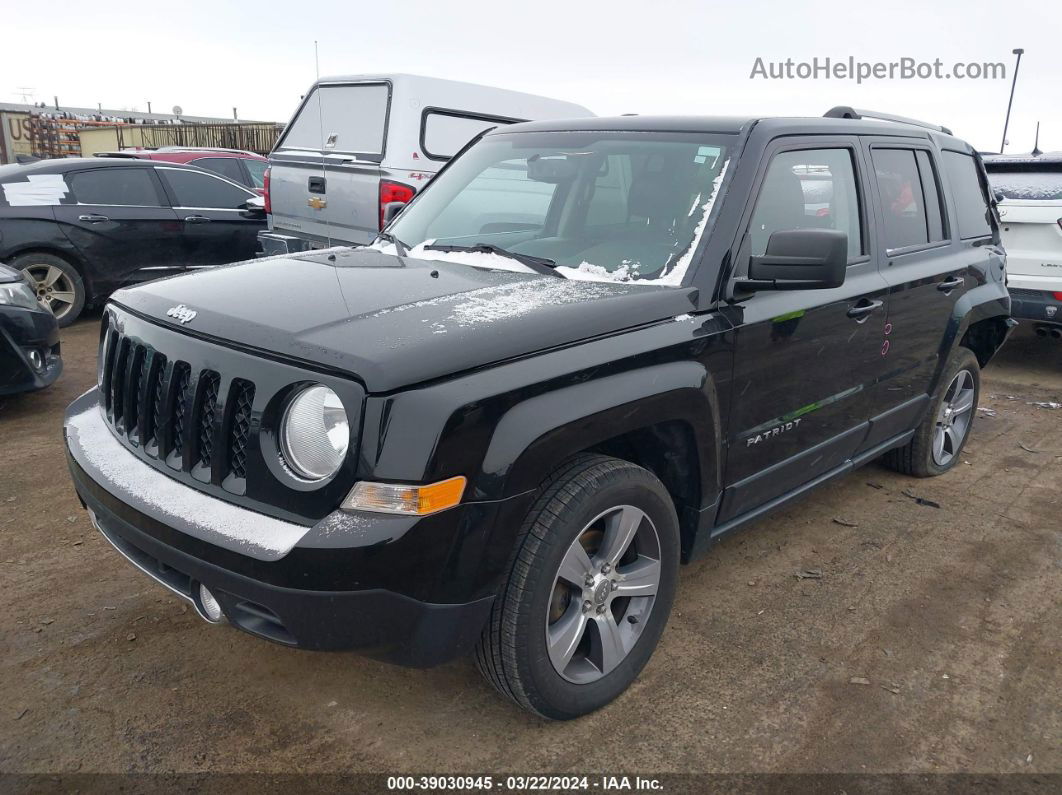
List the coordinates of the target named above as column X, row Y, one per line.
column 585, row 352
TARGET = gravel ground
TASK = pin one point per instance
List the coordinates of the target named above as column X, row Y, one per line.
column 931, row 643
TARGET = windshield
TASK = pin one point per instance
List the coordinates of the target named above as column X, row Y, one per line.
column 611, row 206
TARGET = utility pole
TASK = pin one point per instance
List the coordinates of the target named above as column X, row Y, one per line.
column 1010, row 102
column 234, row 116
column 149, row 105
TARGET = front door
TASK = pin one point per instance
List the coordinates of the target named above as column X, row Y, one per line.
column 218, row 228
column 121, row 226
column 804, row 360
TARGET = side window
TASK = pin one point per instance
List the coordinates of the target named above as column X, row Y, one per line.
column 226, row 166
column 931, row 194
column 191, row 189
column 902, row 202
column 971, row 201
column 129, row 187
column 808, row 189
column 443, row 134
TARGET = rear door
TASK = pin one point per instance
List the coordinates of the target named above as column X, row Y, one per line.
column 325, row 170
column 122, row 225
column 217, row 227
column 804, row 360
column 927, row 261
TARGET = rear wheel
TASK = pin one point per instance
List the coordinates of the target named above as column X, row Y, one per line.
column 590, row 589
column 57, row 283
column 940, row 438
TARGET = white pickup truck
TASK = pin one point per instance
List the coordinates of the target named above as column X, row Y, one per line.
column 1028, row 191
column 360, row 146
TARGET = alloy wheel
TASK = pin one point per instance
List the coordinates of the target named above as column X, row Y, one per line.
column 603, row 594
column 54, row 288
column 953, row 419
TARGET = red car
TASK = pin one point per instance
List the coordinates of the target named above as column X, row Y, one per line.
column 245, row 168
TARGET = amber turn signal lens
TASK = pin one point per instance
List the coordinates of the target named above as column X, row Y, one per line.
column 409, row 500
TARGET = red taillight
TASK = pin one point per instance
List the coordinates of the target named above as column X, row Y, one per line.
column 393, row 192
column 265, row 192
column 1058, row 295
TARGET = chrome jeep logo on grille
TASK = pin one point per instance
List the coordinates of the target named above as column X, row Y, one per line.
column 181, row 313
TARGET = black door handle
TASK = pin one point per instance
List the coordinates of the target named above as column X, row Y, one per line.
column 862, row 310
column 316, row 184
column 948, row 285
column 93, row 219
column 196, row 219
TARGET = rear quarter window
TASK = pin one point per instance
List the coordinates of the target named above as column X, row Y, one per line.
column 341, row 118
column 967, row 194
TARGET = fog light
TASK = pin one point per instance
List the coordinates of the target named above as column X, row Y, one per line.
column 36, row 359
column 209, row 605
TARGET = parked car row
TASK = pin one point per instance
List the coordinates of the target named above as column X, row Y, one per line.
column 83, row 227
column 244, row 168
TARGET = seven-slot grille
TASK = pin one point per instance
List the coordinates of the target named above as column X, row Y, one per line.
column 175, row 413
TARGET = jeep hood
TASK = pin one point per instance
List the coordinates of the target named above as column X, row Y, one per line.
column 395, row 321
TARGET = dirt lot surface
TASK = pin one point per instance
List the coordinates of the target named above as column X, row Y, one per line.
column 931, row 642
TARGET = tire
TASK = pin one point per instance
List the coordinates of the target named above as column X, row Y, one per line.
column 58, row 284
column 590, row 498
column 920, row 457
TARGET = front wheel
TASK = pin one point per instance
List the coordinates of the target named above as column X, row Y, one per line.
column 590, row 589
column 57, row 284
column 940, row 438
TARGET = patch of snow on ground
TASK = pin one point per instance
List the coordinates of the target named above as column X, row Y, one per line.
column 215, row 521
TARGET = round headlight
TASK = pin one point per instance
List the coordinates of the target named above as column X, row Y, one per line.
column 314, row 434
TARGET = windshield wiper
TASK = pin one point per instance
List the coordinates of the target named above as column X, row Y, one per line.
column 537, row 264
column 401, row 248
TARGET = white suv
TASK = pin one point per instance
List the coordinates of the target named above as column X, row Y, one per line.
column 1028, row 190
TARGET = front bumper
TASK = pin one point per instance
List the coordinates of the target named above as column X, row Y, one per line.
column 27, row 335
column 284, row 587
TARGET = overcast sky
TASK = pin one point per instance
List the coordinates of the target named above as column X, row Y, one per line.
column 667, row 56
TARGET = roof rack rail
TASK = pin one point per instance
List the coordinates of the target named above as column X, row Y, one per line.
column 846, row 112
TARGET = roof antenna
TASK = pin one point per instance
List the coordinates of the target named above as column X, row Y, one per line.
column 320, row 123
column 1036, row 146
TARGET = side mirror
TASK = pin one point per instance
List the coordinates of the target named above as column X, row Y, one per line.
column 799, row 259
column 390, row 210
column 253, row 208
